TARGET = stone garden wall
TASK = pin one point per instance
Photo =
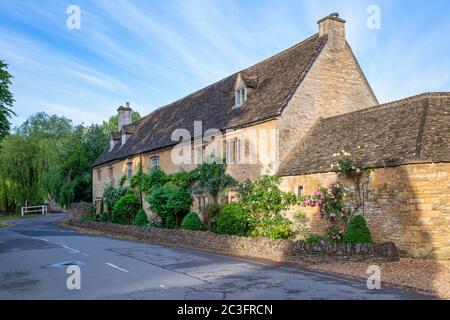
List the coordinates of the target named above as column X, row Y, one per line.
column 261, row 248
column 409, row 206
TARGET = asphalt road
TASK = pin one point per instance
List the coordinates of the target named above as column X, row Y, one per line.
column 33, row 249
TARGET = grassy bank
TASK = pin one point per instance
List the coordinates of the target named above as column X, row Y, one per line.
column 17, row 216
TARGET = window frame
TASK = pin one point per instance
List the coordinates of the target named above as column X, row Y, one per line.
column 129, row 169
column 240, row 96
column 158, row 165
column 111, row 173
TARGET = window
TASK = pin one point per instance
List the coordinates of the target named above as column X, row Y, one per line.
column 240, row 96
column 129, row 169
column 99, row 175
column 111, row 173
column 124, row 138
column 154, row 162
column 233, row 152
column 300, row 190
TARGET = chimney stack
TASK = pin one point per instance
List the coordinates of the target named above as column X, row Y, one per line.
column 333, row 27
column 124, row 114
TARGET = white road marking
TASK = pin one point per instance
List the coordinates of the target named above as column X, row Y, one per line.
column 40, row 239
column 85, row 254
column 44, row 230
column 71, row 249
column 116, row 267
column 163, row 286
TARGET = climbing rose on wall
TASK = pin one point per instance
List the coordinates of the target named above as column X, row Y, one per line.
column 331, row 207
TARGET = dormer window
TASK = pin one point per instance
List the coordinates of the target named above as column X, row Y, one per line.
column 124, row 138
column 244, row 86
column 114, row 138
column 241, row 96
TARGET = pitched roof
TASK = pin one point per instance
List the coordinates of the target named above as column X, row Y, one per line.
column 277, row 79
column 412, row 130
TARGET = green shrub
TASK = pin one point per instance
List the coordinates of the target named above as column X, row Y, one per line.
column 171, row 204
column 233, row 220
column 212, row 210
column 192, row 222
column 125, row 209
column 212, row 224
column 141, row 219
column 103, row 217
column 314, row 238
column 276, row 227
column 154, row 222
column 357, row 231
column 88, row 218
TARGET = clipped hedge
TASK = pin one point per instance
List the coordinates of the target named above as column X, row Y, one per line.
column 141, row 219
column 126, row 208
column 357, row 231
column 233, row 220
column 192, row 222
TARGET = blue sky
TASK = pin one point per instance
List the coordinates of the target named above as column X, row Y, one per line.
column 154, row 52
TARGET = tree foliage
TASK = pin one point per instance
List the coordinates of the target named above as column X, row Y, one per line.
column 69, row 179
column 111, row 195
column 211, row 178
column 171, row 204
column 264, row 201
column 112, row 124
column 6, row 100
column 45, row 156
column 126, row 208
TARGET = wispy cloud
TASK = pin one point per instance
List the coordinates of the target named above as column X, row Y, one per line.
column 151, row 53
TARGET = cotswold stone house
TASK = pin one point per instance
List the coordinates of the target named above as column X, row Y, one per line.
column 303, row 105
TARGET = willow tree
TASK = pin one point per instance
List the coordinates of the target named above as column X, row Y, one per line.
column 27, row 156
column 23, row 163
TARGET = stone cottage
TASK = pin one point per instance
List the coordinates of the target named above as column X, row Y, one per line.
column 287, row 115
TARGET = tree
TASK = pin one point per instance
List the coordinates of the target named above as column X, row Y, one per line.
column 6, row 100
column 69, row 178
column 212, row 179
column 111, row 195
column 171, row 204
column 42, row 126
column 265, row 202
column 22, row 165
column 112, row 124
